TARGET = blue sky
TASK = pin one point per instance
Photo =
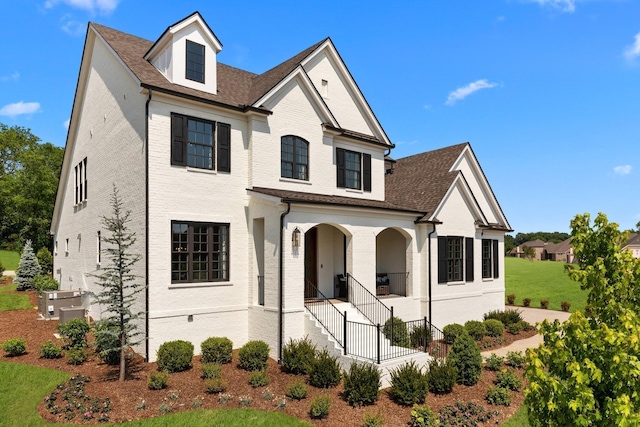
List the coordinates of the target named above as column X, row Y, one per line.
column 546, row 91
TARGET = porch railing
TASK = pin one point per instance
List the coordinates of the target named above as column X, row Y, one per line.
column 260, row 290
column 398, row 283
column 367, row 303
column 332, row 319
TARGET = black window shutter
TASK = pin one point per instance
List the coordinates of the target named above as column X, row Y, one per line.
column 469, row 259
column 366, row 172
column 442, row 260
column 178, row 139
column 340, row 166
column 224, row 147
column 496, row 259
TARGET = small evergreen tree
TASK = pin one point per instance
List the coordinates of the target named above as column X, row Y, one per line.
column 120, row 285
column 27, row 269
column 465, row 357
column 45, row 259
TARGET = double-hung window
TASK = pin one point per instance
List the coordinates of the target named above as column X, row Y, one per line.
column 195, row 62
column 81, row 181
column 294, row 158
column 490, row 260
column 455, row 259
column 353, row 169
column 199, row 252
column 200, row 143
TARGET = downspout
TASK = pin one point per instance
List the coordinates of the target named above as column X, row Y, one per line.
column 146, row 225
column 281, row 284
column 430, row 267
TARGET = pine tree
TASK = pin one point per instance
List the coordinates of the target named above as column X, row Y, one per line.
column 27, row 269
column 120, row 285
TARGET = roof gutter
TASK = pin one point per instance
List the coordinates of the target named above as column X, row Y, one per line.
column 146, row 225
column 281, row 284
column 430, row 267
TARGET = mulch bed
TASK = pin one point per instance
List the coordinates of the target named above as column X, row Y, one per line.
column 187, row 387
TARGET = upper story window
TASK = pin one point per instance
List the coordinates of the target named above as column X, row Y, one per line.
column 199, row 252
column 455, row 259
column 294, row 158
column 81, row 181
column 195, row 62
column 200, row 143
column 354, row 169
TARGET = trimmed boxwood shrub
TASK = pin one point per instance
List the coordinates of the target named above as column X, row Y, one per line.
column 494, row 327
column 50, row 350
column 216, row 385
column 296, row 390
column 216, row 350
column 511, row 299
column 175, row 356
column 544, row 303
column 418, row 335
column 325, row 370
column 452, row 332
column 476, row 329
column 76, row 356
column 515, row 328
column 74, row 332
column 320, row 406
column 107, row 341
column 258, row 379
column 211, row 370
column 395, row 329
column 442, row 376
column 465, row 356
column 361, row 384
column 44, row 283
column 507, row 317
column 408, row 384
column 526, row 302
column 298, row 355
column 253, row 355
column 15, row 346
column 158, row 380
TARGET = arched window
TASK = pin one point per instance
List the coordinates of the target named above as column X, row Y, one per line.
column 294, row 156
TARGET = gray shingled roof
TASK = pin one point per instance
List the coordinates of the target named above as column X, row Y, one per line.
column 634, row 239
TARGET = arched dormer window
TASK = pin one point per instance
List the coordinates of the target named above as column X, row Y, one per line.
column 294, row 158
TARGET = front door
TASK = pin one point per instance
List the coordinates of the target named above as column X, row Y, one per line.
column 311, row 263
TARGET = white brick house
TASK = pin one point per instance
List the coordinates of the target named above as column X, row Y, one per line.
column 249, row 191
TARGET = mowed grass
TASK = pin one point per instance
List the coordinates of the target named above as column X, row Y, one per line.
column 519, row 419
column 9, row 259
column 12, row 301
column 542, row 280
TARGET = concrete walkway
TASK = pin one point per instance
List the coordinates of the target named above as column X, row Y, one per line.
column 9, row 273
column 533, row 316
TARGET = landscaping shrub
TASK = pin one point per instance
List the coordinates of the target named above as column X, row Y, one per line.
column 494, row 327
column 28, row 268
column 516, row 359
column 544, row 303
column 298, row 355
column 45, row 259
column 515, row 328
column 76, row 356
column 320, row 406
column 158, row 380
column 465, row 356
column 253, row 355
column 296, row 390
column 420, row 336
column 509, row 380
column 452, row 332
column 499, row 396
column 15, row 346
column 74, row 332
column 216, row 350
column 1, row 269
column 258, row 379
column 361, row 384
column 325, row 370
column 507, row 317
column 422, row 416
column 565, row 305
column 465, row 414
column 408, row 384
column 175, row 356
column 494, row 362
column 216, row 385
column 511, row 299
column 476, row 329
column 396, row 330
column 211, row 370
column 526, row 302
column 44, row 283
column 107, row 342
column 526, row 326
column 442, row 376
column 50, row 350
column 370, row 419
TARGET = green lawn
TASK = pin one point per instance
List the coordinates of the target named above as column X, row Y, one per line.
column 542, row 280
column 12, row 301
column 519, row 419
column 9, row 259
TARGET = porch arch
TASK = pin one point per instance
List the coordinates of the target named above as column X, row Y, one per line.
column 326, row 255
column 393, row 262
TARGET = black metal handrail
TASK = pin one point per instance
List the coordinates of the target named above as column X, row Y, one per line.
column 260, row 290
column 327, row 314
column 398, row 283
column 367, row 303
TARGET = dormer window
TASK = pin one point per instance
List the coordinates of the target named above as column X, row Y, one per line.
column 195, row 62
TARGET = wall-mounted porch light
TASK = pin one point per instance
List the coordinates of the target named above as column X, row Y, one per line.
column 295, row 238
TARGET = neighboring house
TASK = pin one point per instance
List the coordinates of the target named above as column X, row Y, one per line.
column 633, row 244
column 251, row 194
column 538, row 245
column 562, row 251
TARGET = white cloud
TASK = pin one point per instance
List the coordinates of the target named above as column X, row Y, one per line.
column 65, row 124
column 103, row 7
column 72, row 26
column 19, row 108
column 13, row 77
column 463, row 92
column 622, row 169
column 633, row 51
column 563, row 5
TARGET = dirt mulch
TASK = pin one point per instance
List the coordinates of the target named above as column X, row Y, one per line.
column 187, row 387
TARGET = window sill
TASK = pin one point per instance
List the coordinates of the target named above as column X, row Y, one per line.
column 295, row 181
column 455, row 283
column 199, row 285
column 200, row 170
column 352, row 190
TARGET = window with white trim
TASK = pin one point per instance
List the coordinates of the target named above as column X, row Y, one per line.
column 81, row 182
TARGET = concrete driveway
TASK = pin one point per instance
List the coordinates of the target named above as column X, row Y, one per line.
column 533, row 316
